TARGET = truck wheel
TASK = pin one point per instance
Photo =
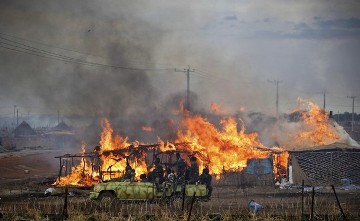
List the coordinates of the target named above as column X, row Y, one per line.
column 106, row 197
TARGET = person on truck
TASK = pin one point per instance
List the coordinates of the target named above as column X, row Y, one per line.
column 180, row 166
column 158, row 173
column 170, row 175
column 205, row 178
column 129, row 172
column 193, row 171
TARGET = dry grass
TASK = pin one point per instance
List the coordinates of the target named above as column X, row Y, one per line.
column 226, row 204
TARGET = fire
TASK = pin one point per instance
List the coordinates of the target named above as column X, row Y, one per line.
column 81, row 174
column 226, row 148
column 280, row 162
column 112, row 165
column 317, row 129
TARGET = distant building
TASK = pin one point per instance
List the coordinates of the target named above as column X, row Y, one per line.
column 61, row 136
column 24, row 130
column 24, row 136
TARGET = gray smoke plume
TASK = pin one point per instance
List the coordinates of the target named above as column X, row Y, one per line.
column 234, row 47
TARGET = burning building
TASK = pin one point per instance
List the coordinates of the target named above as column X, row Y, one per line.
column 221, row 150
column 232, row 155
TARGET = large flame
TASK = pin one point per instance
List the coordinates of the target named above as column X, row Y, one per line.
column 112, row 163
column 81, row 175
column 226, row 148
column 316, row 129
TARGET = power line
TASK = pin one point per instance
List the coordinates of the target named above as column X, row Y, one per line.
column 30, row 48
column 36, row 52
column 55, row 47
column 26, row 49
column 85, row 62
column 48, row 45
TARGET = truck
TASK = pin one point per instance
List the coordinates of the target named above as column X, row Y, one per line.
column 153, row 186
column 147, row 191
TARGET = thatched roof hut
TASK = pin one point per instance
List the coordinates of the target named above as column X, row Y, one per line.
column 24, row 130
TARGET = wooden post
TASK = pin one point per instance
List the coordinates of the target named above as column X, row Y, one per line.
column 338, row 202
column 302, row 200
column 65, row 211
column 191, row 206
column 183, row 198
column 60, row 170
column 312, row 204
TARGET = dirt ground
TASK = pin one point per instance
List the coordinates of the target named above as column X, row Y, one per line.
column 28, row 164
column 25, row 176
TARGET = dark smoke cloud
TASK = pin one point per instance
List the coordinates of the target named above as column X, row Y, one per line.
column 37, row 83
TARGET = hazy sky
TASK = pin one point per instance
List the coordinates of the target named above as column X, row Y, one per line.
column 48, row 51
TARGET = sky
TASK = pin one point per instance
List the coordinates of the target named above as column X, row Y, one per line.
column 116, row 57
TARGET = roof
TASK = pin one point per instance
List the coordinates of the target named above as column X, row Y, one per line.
column 333, row 146
column 24, row 129
column 328, row 166
column 62, row 126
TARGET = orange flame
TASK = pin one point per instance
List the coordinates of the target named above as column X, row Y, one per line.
column 111, row 166
column 82, row 174
column 114, row 165
column 317, row 129
column 226, row 149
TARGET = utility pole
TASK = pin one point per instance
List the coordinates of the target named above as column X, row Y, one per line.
column 58, row 113
column 276, row 82
column 324, row 99
column 187, row 71
column 14, row 114
column 352, row 117
column 17, row 117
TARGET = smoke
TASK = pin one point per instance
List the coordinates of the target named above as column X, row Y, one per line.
column 232, row 46
column 344, row 136
column 39, row 83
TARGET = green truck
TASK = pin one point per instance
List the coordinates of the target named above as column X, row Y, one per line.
column 147, row 191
